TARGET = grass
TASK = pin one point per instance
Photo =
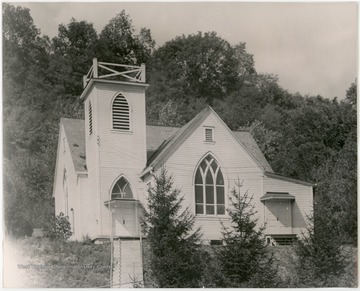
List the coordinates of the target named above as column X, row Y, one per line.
column 41, row 263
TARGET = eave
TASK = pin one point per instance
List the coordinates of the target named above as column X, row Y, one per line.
column 104, row 81
column 277, row 196
column 287, row 179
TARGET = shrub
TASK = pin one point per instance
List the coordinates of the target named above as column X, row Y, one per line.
column 58, row 227
column 212, row 273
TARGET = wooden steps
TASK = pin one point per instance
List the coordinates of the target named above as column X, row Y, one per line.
column 281, row 239
column 128, row 268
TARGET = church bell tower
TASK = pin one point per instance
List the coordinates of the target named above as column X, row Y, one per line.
column 115, row 126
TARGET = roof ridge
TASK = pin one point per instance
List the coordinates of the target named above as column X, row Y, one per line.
column 176, row 136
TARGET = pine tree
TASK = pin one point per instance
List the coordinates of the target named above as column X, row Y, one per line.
column 245, row 259
column 174, row 248
column 321, row 261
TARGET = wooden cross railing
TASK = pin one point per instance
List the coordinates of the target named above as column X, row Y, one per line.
column 101, row 70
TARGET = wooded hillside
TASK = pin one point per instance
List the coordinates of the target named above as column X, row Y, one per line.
column 306, row 137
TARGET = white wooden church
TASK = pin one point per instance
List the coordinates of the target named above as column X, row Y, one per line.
column 106, row 163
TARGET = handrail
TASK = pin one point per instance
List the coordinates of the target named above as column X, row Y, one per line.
column 102, row 70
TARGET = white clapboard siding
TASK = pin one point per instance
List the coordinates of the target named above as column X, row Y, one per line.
column 116, row 152
column 65, row 163
column 93, row 180
column 301, row 207
column 235, row 163
column 89, row 218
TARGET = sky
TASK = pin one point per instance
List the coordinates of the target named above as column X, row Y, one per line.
column 311, row 47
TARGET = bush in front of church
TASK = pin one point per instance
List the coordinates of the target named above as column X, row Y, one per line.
column 58, row 227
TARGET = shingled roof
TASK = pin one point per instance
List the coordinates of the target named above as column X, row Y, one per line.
column 156, row 138
column 75, row 133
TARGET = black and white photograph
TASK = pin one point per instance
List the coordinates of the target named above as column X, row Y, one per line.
column 179, row 144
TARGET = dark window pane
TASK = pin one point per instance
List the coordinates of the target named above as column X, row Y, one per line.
column 214, row 165
column 220, row 209
column 122, row 182
column 209, row 178
column 219, row 178
column 203, row 165
column 199, row 209
column 210, row 209
column 198, row 177
column 208, row 157
column 116, row 189
column 199, row 198
column 128, row 193
column 220, row 197
column 209, row 194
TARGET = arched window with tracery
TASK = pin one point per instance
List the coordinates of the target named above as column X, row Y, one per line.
column 120, row 113
column 121, row 190
column 209, row 188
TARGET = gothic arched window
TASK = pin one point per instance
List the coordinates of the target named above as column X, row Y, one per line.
column 121, row 190
column 120, row 113
column 209, row 188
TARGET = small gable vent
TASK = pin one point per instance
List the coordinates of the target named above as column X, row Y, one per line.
column 209, row 134
column 121, row 113
column 90, row 119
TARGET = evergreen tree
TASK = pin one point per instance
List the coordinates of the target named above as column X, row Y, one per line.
column 245, row 259
column 174, row 248
column 321, row 262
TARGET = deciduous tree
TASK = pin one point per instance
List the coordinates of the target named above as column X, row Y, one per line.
column 119, row 44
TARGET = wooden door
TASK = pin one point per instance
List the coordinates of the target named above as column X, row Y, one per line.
column 124, row 219
column 278, row 217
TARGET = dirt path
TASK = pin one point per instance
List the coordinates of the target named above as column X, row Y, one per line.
column 20, row 268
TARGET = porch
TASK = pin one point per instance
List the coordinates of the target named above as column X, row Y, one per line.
column 278, row 218
column 124, row 218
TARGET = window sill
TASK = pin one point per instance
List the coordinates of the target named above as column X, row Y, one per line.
column 212, row 217
column 121, row 131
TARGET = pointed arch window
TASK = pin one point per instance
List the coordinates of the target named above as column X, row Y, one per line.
column 66, row 195
column 209, row 188
column 120, row 113
column 121, row 190
column 90, row 119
